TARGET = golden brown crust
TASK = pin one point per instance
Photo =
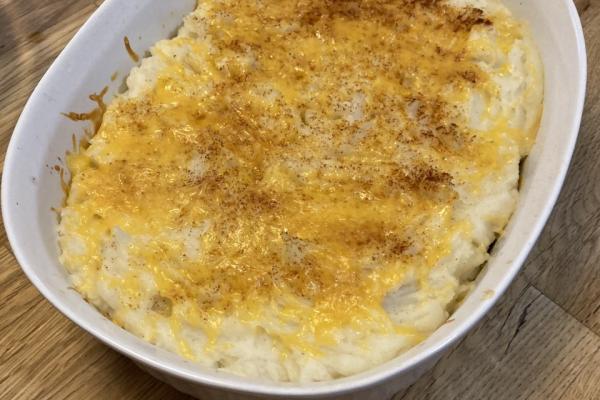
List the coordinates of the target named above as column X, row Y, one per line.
column 326, row 136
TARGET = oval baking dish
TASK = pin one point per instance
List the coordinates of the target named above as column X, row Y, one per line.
column 31, row 188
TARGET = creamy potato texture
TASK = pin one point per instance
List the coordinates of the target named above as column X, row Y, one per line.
column 299, row 190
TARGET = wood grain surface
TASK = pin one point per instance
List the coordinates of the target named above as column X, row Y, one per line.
column 542, row 341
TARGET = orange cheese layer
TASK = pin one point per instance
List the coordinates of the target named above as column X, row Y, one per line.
column 305, row 209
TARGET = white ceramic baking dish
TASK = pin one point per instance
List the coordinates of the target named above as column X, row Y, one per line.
column 30, row 188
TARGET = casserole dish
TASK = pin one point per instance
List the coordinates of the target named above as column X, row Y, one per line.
column 31, row 187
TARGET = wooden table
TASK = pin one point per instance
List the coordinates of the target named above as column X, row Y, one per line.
column 542, row 341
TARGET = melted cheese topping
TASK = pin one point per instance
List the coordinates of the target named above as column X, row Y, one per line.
column 293, row 163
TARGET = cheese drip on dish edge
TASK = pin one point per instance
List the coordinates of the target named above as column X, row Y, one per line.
column 300, row 190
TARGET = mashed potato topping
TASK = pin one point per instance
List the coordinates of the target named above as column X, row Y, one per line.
column 299, row 190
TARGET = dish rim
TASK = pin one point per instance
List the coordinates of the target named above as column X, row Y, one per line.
column 246, row 385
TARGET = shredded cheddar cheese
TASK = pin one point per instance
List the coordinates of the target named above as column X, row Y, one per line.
column 288, row 165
